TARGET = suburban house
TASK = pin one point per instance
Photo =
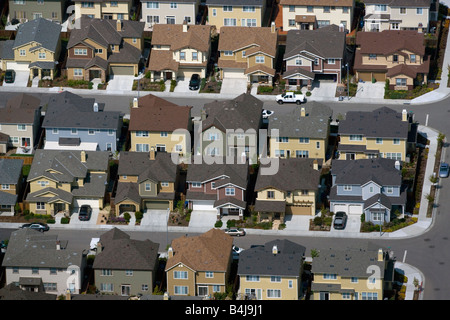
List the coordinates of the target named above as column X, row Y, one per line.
column 75, row 123
column 293, row 190
column 156, row 123
column 103, row 48
column 10, row 185
column 63, row 180
column 20, row 122
column 168, row 12
column 125, row 266
column 383, row 133
column 104, row 9
column 301, row 133
column 272, row 271
column 314, row 55
column 35, row 49
column 397, row 15
column 397, row 56
column 147, row 180
column 352, row 274
column 26, row 10
column 372, row 187
column 231, row 128
column 43, row 263
column 248, row 53
column 312, row 14
column 199, row 265
column 232, row 13
column 179, row 51
column 221, row 188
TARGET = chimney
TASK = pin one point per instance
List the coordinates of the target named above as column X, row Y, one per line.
column 275, row 249
column 152, row 153
column 99, row 247
column 272, row 27
column 341, row 28
column 170, row 252
column 380, row 254
column 135, row 103
column 83, row 156
column 185, row 26
column 404, row 115
column 58, row 245
column 303, row 112
column 166, row 296
column 119, row 25
column 315, row 164
column 68, row 296
column 203, row 118
column 95, row 107
column 397, row 165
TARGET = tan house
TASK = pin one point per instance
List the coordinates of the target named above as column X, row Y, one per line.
column 381, row 133
column 103, row 48
column 104, row 9
column 397, row 56
column 61, row 181
column 248, row 53
column 179, row 50
column 199, row 265
column 159, row 124
column 10, row 184
column 236, row 13
column 353, row 274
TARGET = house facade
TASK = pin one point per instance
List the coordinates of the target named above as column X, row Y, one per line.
column 179, row 51
column 10, row 184
column 279, row 277
column 104, row 9
column 25, row 10
column 248, row 53
column 199, row 265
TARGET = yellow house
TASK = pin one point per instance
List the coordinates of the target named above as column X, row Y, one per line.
column 353, row 274
column 277, row 278
column 380, row 133
column 104, row 9
column 199, row 265
column 10, row 184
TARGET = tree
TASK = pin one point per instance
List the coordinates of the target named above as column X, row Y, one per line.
column 314, row 253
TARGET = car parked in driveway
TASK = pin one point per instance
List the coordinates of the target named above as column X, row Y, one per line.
column 194, row 83
column 39, row 226
column 10, row 76
column 443, row 170
column 340, row 220
column 85, row 212
column 235, row 232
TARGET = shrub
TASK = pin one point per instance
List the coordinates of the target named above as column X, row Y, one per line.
column 50, row 221
column 139, row 215
column 318, row 221
column 265, row 89
column 127, row 216
column 218, row 224
column 308, row 93
column 65, row 220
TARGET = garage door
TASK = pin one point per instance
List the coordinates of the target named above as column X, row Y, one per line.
column 379, row 76
column 365, row 76
column 156, row 205
column 355, row 209
column 18, row 66
column 203, row 205
column 340, row 207
column 122, row 71
column 234, row 73
column 298, row 210
column 94, row 203
column 187, row 73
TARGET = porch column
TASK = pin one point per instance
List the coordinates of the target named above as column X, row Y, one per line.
column 52, row 73
column 31, row 73
column 152, row 76
column 241, row 213
column 40, row 73
column 218, row 215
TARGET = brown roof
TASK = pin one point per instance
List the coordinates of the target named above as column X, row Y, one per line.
column 162, row 60
column 260, row 68
column 157, row 114
column 235, row 38
column 196, row 37
column 305, row 18
column 210, row 251
column 320, row 3
column 231, row 64
column 390, row 41
column 20, row 109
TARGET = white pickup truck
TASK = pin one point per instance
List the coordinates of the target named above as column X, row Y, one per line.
column 290, row 97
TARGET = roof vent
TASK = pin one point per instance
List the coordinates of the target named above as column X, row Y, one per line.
column 275, row 249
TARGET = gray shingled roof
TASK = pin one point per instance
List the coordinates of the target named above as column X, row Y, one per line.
column 42, row 31
column 7, row 198
column 401, row 3
column 236, row 173
column 6, row 49
column 10, row 170
column 235, row 2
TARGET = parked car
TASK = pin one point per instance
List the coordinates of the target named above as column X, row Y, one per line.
column 85, row 212
column 194, row 83
column 235, row 232
column 340, row 220
column 10, row 76
column 443, row 170
column 36, row 226
column 290, row 97
column 266, row 113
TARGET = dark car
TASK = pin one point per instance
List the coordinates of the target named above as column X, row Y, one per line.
column 85, row 212
column 10, row 76
column 340, row 220
column 443, row 170
column 36, row 226
column 194, row 83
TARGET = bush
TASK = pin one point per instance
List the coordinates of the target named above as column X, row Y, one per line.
column 139, row 215
column 127, row 216
column 65, row 220
column 50, row 221
column 308, row 93
column 265, row 89
column 218, row 224
column 318, row 221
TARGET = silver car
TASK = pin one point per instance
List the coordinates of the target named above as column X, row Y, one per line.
column 443, row 170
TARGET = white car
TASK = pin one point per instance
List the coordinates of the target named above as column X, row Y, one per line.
column 266, row 113
column 290, row 97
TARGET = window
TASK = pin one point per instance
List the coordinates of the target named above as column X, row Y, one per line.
column 291, row 23
column 129, row 273
column 227, row 8
column 309, row 9
column 290, row 284
column 230, row 191
column 106, row 287
column 331, row 61
column 389, row 189
column 141, row 133
column 259, row 59
column 279, row 153
column 195, row 56
column 402, row 10
column 316, row 61
column 43, row 183
column 15, row 270
column 50, row 286
column 34, row 270
column 369, row 295
column 22, row 52
column 275, row 279
column 326, row 9
column 5, row 186
column 249, row 22
column 318, row 145
column 164, row 134
column 396, row 141
column 19, row 1
column 303, row 140
column 196, row 184
column 142, row 147
column 209, row 274
column 109, row 147
column 345, row 10
column 393, row 155
column 106, row 272
column 91, row 131
column 55, row 130
column 298, row 62
column 87, row 4
column 400, row 81
column 347, row 187
column 148, row 186
column 229, row 22
column 283, row 139
column 144, row 287
column 170, row 20
column 412, row 58
column 301, row 153
column 346, row 296
column 354, row 280
column 80, row 52
column 152, row 5
column 178, row 148
column 395, row 58
column 419, row 11
column 379, row 140
column 180, row 275
column 270, row 194
column 395, row 26
column 372, row 56
column 41, row 55
column 377, row 216
column 77, row 72
column 152, row 19
column 213, row 136
column 21, row 127
column 182, row 55
column 110, row 132
column 114, row 4
column 252, row 278
column 214, row 12
column 228, row 53
column 330, row 276
column 40, row 205
column 164, row 184
column 249, row 9
column 53, row 271
column 181, row 290
column 273, row 293
column 380, row 7
column 74, row 131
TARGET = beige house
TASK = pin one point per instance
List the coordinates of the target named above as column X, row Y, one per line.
column 199, row 265
column 312, row 14
column 104, row 9
column 179, row 51
column 248, row 53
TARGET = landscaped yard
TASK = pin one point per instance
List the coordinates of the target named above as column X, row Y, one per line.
column 64, row 82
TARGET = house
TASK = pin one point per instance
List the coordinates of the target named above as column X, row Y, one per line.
column 147, row 181
column 382, row 132
column 312, row 55
column 372, row 187
column 397, row 56
column 63, row 180
column 10, row 184
column 199, row 265
column 232, row 13
column 351, row 274
column 13, row 292
column 104, row 9
column 159, row 124
column 102, row 48
column 293, row 190
column 302, row 133
column 125, row 266
column 230, row 128
column 272, row 271
column 169, row 12
column 27, row 10
column 179, row 50
column 383, row 15
column 220, row 188
column 75, row 123
column 35, row 49
column 313, row 14
column 248, row 53
column 43, row 263
column 20, row 122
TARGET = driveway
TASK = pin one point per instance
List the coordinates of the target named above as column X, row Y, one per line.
column 74, row 221
column 120, row 83
column 183, row 86
column 202, row 220
column 155, row 220
column 323, row 89
column 234, row 86
column 20, row 81
column 369, row 90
